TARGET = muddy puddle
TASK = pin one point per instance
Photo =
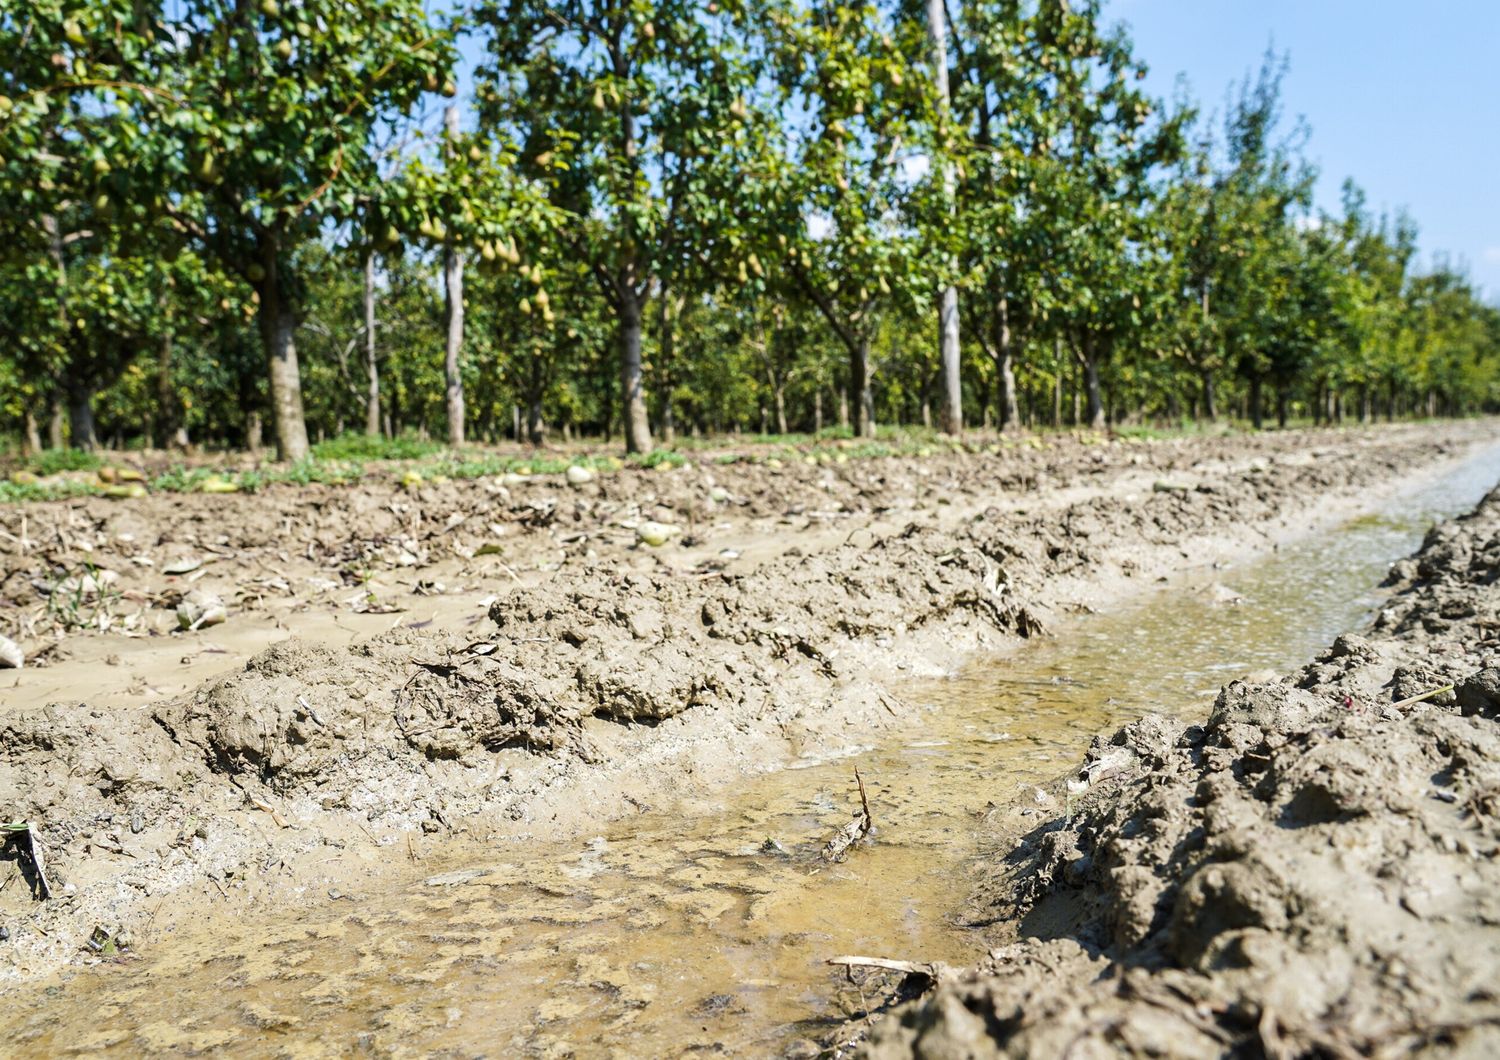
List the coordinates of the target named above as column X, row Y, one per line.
column 705, row 929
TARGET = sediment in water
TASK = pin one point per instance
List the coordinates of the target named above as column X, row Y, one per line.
column 1313, row 871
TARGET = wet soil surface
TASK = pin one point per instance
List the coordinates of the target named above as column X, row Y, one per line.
column 612, row 679
column 706, row 928
column 1311, row 872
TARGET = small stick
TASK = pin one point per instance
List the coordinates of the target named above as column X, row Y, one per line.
column 837, row 848
column 1425, row 695
column 884, row 963
column 933, row 971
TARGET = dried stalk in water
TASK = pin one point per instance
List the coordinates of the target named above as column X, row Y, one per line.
column 837, row 848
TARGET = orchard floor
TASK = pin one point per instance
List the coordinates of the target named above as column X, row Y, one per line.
column 491, row 662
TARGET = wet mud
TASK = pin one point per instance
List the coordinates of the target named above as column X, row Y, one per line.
column 1312, row 871
column 590, row 677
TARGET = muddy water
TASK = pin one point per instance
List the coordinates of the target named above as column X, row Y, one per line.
column 705, row 930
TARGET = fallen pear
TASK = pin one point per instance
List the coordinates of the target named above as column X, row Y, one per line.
column 655, row 534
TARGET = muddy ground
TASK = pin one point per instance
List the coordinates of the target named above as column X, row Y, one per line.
column 539, row 667
column 1312, row 872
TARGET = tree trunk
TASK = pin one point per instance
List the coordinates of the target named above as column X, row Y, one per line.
column 632, row 382
column 1091, row 385
column 1057, row 382
column 844, row 409
column 372, row 369
column 254, row 432
column 33, row 434
column 168, row 410
column 54, row 420
column 948, row 338
column 84, row 434
column 535, row 432
column 1006, row 406
column 1257, row 418
column 817, row 410
column 1210, row 396
column 860, row 393
column 1282, row 399
column 779, row 394
column 453, row 314
column 668, row 420
column 667, row 346
column 278, row 329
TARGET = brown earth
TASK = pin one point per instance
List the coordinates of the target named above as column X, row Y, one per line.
column 607, row 675
column 1312, row 872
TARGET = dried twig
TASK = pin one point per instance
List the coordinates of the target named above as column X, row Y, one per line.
column 886, row 964
column 837, row 848
column 1421, row 696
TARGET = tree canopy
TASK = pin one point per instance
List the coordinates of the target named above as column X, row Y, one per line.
column 681, row 216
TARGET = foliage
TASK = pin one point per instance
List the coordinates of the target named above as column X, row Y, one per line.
column 686, row 218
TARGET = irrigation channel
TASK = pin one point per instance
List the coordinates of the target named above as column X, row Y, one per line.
column 706, row 929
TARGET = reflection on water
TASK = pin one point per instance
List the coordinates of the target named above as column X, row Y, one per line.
column 705, row 930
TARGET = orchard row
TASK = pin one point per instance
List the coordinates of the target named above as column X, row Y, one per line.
column 647, row 217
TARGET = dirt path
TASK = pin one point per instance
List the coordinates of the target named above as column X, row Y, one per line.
column 1314, row 871
column 564, row 673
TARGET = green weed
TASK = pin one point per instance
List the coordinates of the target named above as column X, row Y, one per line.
column 51, row 461
column 355, row 447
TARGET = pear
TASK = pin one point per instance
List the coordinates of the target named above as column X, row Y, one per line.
column 655, row 534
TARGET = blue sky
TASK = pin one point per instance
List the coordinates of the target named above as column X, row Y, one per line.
column 1400, row 95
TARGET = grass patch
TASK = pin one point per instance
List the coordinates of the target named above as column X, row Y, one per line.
column 656, row 458
column 353, row 446
column 18, row 492
column 302, row 473
column 51, row 461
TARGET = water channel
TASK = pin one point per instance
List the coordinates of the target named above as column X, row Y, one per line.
column 704, row 931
